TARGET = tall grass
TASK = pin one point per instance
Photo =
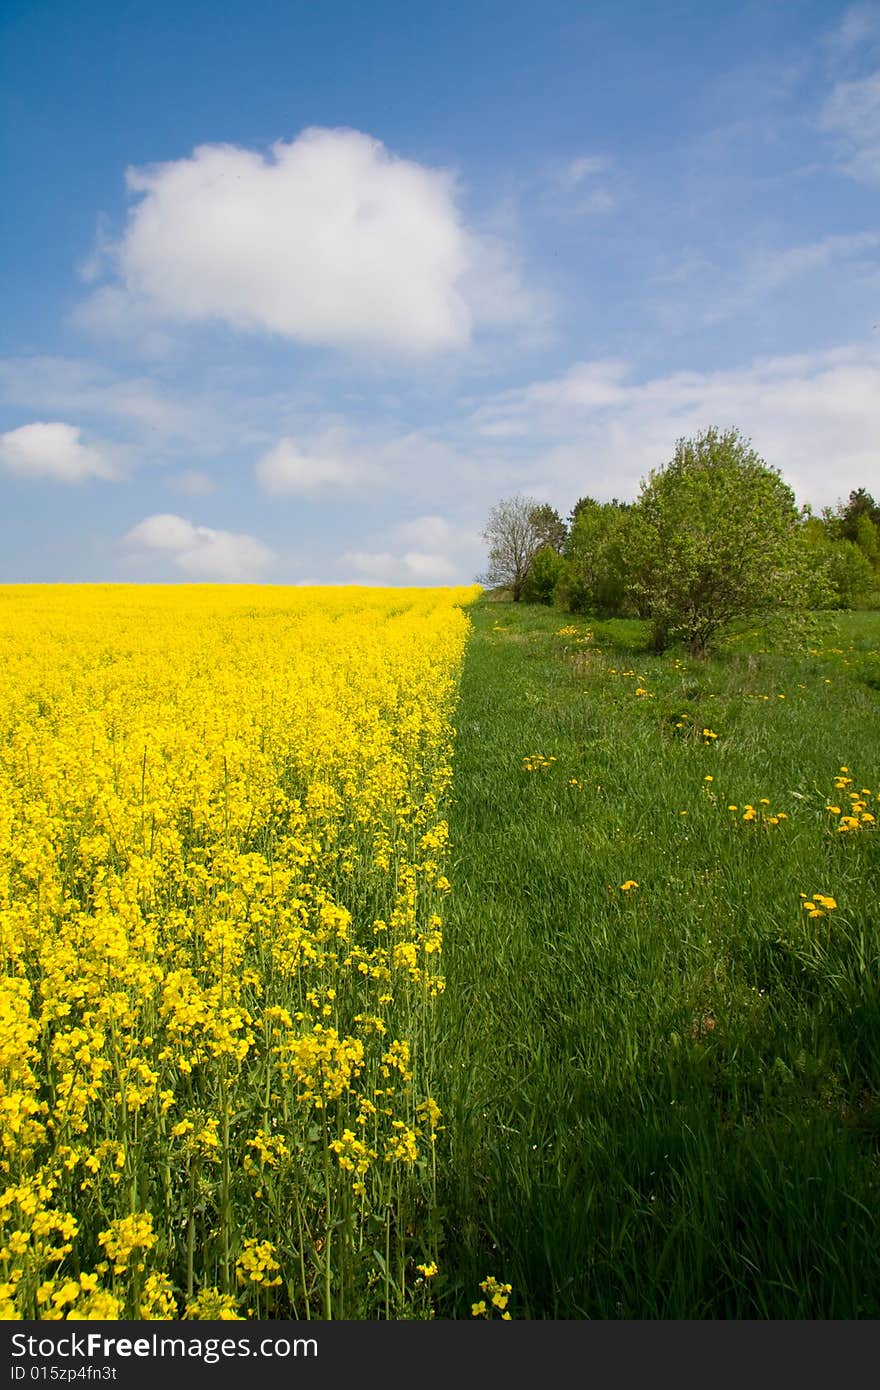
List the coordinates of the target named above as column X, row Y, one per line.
column 663, row 1101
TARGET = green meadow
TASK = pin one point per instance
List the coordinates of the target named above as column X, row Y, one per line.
column 660, row 1036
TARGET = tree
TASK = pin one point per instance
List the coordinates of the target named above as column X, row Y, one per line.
column 597, row 553
column 718, row 538
column 859, row 504
column 549, row 526
column 544, row 575
column 515, row 531
column 868, row 539
column 850, row 575
column 584, row 503
column 857, row 522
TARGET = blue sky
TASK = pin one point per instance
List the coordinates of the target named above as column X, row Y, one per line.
column 295, row 292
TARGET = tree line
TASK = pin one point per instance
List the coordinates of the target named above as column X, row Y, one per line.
column 714, row 535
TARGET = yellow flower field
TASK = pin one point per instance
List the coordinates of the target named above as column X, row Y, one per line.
column 222, row 845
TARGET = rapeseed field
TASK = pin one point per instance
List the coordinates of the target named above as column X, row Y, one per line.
column 222, row 841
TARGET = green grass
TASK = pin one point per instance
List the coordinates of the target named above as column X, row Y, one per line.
column 661, row 1103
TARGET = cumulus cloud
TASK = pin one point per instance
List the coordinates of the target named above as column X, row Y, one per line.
column 329, row 238
column 53, row 450
column 852, row 114
column 199, row 551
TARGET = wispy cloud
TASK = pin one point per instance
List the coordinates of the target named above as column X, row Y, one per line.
column 816, row 416
column 576, row 186
column 764, row 272
column 769, row 270
column 859, row 27
column 584, row 386
column 82, row 387
column 851, row 114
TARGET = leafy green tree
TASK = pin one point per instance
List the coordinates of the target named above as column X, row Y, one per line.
column 585, row 502
column 718, row 538
column 850, row 577
column 544, row 575
column 596, row 574
column 859, row 504
column 549, row 526
column 851, row 574
column 867, row 538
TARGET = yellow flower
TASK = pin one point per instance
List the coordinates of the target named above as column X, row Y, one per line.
column 210, row 1305
column 257, row 1264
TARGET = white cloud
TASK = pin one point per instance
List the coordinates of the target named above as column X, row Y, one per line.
column 852, row 113
column 584, row 386
column 413, row 567
column 339, row 460
column 53, row 450
column 815, row 416
column 199, row 551
column 288, row 468
column 425, row 550
column 329, row 238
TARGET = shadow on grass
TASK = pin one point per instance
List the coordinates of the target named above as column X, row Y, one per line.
column 622, row 1209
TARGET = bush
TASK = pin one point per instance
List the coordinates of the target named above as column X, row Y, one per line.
column 717, row 537
column 543, row 576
